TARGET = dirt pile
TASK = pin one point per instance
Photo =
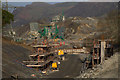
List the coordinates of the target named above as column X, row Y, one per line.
column 109, row 69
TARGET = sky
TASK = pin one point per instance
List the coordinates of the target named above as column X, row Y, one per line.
column 61, row 0
column 44, row 0
column 19, row 3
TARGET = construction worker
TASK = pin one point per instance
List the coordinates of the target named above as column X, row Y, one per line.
column 63, row 43
column 45, row 41
column 55, row 40
column 40, row 71
column 83, row 66
column 60, row 43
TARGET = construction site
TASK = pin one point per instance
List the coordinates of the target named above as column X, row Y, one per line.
column 53, row 50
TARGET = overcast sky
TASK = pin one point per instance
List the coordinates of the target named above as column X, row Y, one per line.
column 60, row 0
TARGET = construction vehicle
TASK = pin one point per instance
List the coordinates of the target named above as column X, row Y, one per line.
column 54, row 66
column 61, row 54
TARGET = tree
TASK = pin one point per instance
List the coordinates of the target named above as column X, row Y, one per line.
column 7, row 17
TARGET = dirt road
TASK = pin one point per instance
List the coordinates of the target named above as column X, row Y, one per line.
column 70, row 68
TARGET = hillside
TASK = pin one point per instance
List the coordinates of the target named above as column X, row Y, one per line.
column 37, row 11
column 94, row 9
column 12, row 56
